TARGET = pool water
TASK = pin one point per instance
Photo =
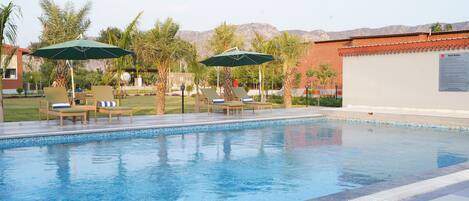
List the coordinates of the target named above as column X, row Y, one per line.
column 296, row 161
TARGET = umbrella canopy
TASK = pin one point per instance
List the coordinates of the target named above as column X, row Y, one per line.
column 80, row 50
column 235, row 57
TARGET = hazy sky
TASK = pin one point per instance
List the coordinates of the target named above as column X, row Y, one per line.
column 329, row 15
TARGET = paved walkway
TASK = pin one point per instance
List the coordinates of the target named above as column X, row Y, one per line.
column 426, row 117
column 406, row 111
column 42, row 128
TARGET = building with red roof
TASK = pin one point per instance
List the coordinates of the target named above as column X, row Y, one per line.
column 423, row 74
column 327, row 52
column 13, row 75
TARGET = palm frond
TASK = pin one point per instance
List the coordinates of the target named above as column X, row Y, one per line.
column 128, row 31
column 8, row 15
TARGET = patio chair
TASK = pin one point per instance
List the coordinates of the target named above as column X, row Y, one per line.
column 104, row 101
column 243, row 96
column 213, row 100
column 57, row 103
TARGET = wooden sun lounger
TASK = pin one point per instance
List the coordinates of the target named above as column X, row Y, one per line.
column 59, row 95
column 209, row 96
column 104, row 93
column 240, row 94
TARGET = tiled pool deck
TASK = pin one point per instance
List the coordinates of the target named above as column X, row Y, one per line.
column 450, row 183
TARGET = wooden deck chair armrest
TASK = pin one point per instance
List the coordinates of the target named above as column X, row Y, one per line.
column 91, row 100
column 44, row 104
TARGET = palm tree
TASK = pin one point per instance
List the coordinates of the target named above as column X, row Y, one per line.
column 60, row 25
column 8, row 15
column 288, row 49
column 161, row 47
column 199, row 72
column 122, row 39
column 224, row 38
column 324, row 75
column 260, row 44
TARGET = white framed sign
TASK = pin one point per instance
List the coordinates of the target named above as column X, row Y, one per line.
column 454, row 72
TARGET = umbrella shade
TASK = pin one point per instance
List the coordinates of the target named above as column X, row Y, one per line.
column 80, row 50
column 237, row 58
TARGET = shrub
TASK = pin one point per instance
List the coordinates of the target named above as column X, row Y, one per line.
column 189, row 89
column 19, row 90
column 324, row 101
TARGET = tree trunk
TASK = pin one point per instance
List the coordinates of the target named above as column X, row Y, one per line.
column 61, row 75
column 1, row 100
column 197, row 100
column 227, row 84
column 287, row 87
column 161, row 88
column 2, row 71
column 60, row 81
column 263, row 96
column 319, row 96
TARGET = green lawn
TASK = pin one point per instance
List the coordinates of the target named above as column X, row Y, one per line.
column 26, row 109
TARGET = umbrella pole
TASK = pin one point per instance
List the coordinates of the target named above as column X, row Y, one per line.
column 260, row 84
column 218, row 80
column 73, row 83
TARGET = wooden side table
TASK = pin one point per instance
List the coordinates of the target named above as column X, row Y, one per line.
column 88, row 108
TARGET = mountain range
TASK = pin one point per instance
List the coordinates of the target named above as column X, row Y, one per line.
column 248, row 31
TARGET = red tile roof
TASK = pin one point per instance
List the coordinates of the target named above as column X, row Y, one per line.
column 23, row 50
column 416, row 46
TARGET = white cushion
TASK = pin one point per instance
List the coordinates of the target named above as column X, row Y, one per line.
column 247, row 99
column 60, row 105
column 218, row 100
column 107, row 104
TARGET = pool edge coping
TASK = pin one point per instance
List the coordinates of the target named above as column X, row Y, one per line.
column 137, row 127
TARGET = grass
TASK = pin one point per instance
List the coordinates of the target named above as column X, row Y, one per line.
column 26, row 109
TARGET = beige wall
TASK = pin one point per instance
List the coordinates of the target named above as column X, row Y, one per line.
column 407, row 80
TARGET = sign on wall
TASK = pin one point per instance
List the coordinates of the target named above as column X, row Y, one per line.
column 454, row 72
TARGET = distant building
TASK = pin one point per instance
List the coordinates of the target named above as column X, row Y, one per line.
column 13, row 75
column 327, row 52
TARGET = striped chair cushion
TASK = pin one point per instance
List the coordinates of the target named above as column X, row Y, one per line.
column 247, row 99
column 107, row 104
column 60, row 105
column 218, row 100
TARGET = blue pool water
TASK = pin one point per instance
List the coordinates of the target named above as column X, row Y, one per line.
column 293, row 160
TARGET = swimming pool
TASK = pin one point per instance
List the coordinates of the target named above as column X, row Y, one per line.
column 276, row 160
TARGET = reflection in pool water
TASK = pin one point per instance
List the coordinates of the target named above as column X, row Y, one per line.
column 284, row 162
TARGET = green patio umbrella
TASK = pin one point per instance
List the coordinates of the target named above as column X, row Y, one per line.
column 80, row 49
column 235, row 57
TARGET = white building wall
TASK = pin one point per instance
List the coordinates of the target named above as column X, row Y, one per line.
column 406, row 80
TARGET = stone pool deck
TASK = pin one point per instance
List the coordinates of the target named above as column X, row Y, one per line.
column 419, row 117
column 51, row 127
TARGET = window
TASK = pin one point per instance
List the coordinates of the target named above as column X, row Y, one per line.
column 10, row 74
column 11, row 69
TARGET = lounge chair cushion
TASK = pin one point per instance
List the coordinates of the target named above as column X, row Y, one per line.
column 234, row 103
column 69, row 110
column 117, row 108
column 60, row 105
column 218, row 100
column 107, row 104
column 247, row 99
